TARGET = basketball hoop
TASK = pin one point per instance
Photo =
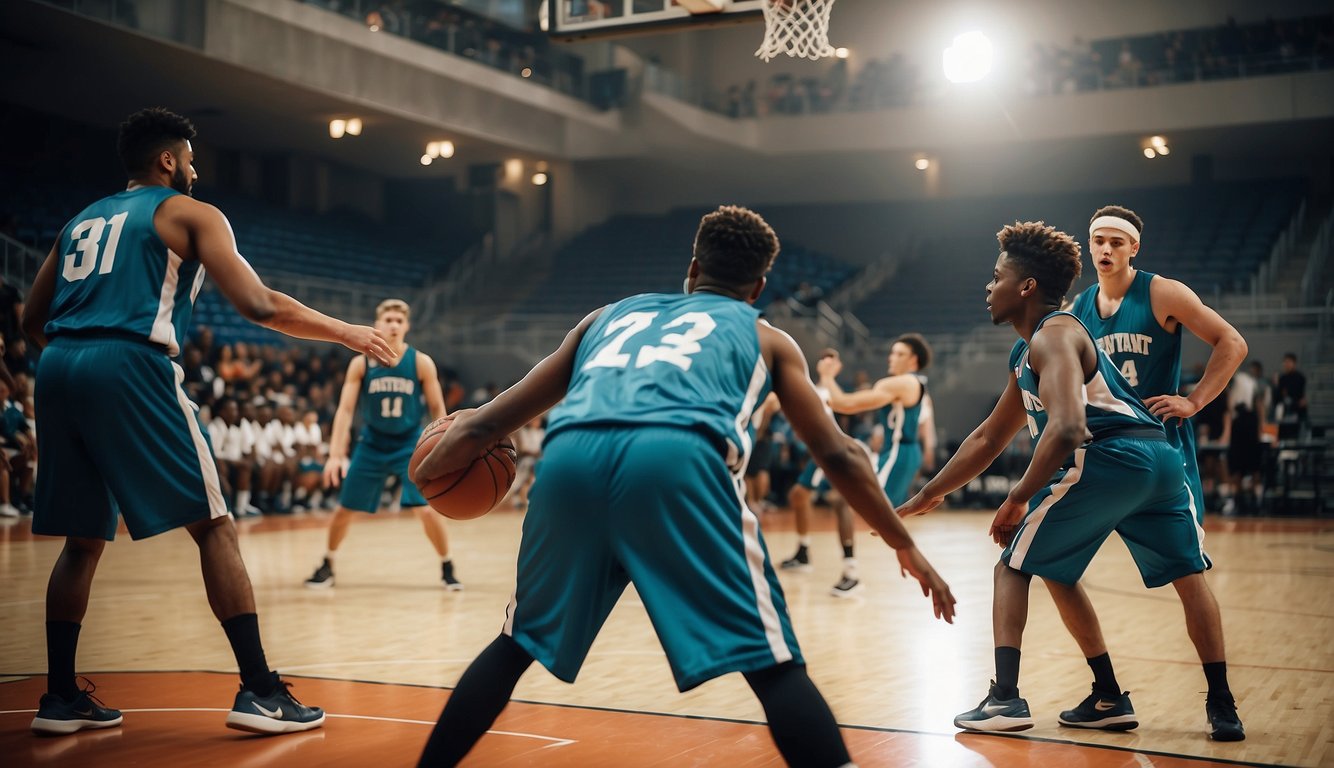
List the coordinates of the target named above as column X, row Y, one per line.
column 798, row 28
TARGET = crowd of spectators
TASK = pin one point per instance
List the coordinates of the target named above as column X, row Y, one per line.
column 879, row 84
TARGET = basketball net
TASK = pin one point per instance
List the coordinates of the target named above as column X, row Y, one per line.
column 798, row 28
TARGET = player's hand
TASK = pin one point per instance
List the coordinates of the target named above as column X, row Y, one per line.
column 1171, row 407
column 829, row 365
column 335, row 469
column 912, row 563
column 919, row 505
column 369, row 342
column 1007, row 520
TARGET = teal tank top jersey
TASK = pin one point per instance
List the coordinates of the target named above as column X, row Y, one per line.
column 1111, row 406
column 1145, row 354
column 691, row 361
column 391, row 398
column 115, row 276
column 900, row 422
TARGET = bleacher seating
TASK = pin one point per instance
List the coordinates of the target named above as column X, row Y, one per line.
column 639, row 254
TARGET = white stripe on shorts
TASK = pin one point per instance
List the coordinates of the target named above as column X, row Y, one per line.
column 207, row 467
column 764, row 599
column 1030, row 527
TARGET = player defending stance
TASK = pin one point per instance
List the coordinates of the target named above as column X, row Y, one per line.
column 115, row 429
column 649, row 382
column 899, row 397
column 391, row 415
column 1113, row 470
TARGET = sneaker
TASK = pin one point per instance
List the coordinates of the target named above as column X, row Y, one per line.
column 800, row 562
column 57, row 717
column 279, row 712
column 1223, row 720
column 1108, row 713
column 996, row 714
column 846, row 586
column 447, row 577
column 323, row 578
column 8, row 510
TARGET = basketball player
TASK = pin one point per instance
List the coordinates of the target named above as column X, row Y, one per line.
column 898, row 397
column 1101, row 463
column 641, row 482
column 391, row 399
column 115, row 430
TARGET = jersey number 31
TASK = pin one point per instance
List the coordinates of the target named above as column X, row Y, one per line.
column 86, row 236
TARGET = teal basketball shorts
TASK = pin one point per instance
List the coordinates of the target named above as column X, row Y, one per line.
column 375, row 458
column 116, row 434
column 656, row 507
column 896, row 466
column 1134, row 486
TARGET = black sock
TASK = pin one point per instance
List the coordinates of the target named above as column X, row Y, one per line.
column 1216, row 673
column 802, row 725
column 847, row 550
column 1007, row 672
column 476, row 702
column 1104, row 679
column 243, row 633
column 801, row 552
column 62, row 639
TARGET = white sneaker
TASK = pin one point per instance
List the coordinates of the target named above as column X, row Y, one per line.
column 8, row 510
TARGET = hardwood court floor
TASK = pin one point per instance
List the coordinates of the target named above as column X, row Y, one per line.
column 380, row 650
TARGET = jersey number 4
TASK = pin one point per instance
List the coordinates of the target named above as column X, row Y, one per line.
column 676, row 348
column 86, row 237
column 1128, row 371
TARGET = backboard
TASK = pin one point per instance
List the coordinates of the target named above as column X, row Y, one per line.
column 579, row 19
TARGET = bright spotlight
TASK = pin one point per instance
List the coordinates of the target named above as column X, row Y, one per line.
column 1164, row 151
column 968, row 59
column 1158, row 141
column 842, row 53
column 526, row 72
column 922, row 164
column 337, row 128
column 1149, row 153
column 354, row 126
column 426, row 160
column 446, row 149
column 539, row 179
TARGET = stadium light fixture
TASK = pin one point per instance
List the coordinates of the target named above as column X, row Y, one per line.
column 337, row 128
column 1150, row 153
column 922, row 164
column 841, row 53
column 526, row 72
column 968, row 59
column 539, row 179
column 426, row 159
column 354, row 126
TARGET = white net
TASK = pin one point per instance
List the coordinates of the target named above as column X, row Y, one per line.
column 798, row 28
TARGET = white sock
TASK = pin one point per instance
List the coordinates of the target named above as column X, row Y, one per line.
column 445, row 559
column 850, row 567
column 803, row 541
column 242, row 500
column 330, row 555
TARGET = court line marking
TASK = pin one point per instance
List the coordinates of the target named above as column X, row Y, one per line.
column 555, row 741
column 1145, row 596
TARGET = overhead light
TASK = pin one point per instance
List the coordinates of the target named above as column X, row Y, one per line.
column 841, row 53
column 513, row 169
column 1158, row 141
column 426, row 160
column 354, row 126
column 922, row 164
column 1164, row 150
column 526, row 72
column 441, row 149
column 968, row 59
column 337, row 128
column 542, row 165
column 1150, row 153
column 539, row 179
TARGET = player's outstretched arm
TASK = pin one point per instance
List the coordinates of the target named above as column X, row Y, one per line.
column 474, row 431
column 882, row 394
column 211, row 240
column 1173, row 299
column 845, row 463
column 340, row 434
column 975, row 454
column 37, row 309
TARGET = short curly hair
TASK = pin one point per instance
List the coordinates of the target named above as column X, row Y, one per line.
column 917, row 343
column 1043, row 253
column 146, row 133
column 735, row 245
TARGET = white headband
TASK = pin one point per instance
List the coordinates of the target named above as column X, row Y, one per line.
column 1117, row 223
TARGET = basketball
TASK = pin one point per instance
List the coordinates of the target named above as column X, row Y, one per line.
column 471, row 492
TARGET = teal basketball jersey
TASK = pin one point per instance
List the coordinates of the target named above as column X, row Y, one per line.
column 1145, row 354
column 690, row 361
column 391, row 397
column 1110, row 404
column 115, row 276
column 901, row 423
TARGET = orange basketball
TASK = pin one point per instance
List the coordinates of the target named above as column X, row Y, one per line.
column 470, row 492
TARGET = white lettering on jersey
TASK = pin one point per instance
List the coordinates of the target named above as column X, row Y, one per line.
column 393, row 385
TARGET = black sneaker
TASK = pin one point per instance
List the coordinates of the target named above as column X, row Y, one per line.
column 846, row 586
column 447, row 577
column 323, row 578
column 57, row 717
column 1107, row 713
column 800, row 562
column 1223, row 720
column 279, row 712
column 996, row 714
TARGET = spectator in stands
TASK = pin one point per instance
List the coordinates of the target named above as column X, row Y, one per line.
column 20, row 453
column 1290, row 399
column 1242, row 426
column 11, row 311
column 1264, row 391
